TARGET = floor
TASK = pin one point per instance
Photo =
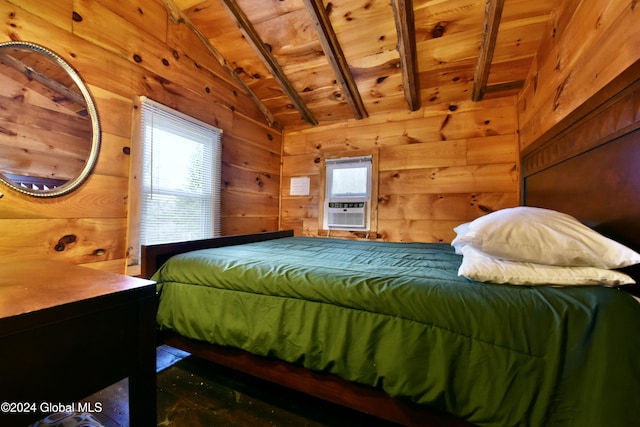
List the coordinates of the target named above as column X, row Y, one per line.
column 193, row 392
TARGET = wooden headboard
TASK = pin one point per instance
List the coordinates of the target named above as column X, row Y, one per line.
column 590, row 167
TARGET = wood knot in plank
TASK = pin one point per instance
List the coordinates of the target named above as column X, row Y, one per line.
column 438, row 30
column 445, row 122
column 8, row 132
column 65, row 240
column 559, row 90
column 329, row 8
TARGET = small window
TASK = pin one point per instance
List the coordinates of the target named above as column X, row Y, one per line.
column 348, row 193
column 181, row 161
column 349, row 182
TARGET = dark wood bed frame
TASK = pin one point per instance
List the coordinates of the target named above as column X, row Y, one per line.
column 587, row 166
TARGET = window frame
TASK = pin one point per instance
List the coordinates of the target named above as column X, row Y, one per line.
column 371, row 205
column 136, row 176
column 337, row 163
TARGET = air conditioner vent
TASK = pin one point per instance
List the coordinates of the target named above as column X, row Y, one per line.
column 347, row 215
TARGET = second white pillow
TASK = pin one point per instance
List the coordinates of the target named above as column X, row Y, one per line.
column 483, row 268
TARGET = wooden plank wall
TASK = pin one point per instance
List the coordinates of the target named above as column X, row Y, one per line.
column 438, row 167
column 587, row 44
column 428, row 181
column 122, row 50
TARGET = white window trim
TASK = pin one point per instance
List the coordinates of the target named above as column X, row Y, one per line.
column 136, row 179
column 346, row 162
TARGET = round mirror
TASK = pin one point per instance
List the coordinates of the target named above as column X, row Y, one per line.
column 49, row 128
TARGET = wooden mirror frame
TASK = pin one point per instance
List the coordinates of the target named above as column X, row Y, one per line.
column 74, row 182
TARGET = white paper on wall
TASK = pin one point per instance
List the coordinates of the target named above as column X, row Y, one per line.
column 299, row 186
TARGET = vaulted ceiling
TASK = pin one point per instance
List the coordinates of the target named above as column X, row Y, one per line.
column 317, row 61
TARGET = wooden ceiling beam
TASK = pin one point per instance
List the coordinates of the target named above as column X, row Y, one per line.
column 178, row 17
column 269, row 60
column 334, row 53
column 502, row 87
column 403, row 14
column 46, row 81
column 493, row 14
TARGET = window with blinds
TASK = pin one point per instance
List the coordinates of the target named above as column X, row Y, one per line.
column 181, row 161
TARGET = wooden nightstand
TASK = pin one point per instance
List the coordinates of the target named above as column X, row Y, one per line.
column 68, row 331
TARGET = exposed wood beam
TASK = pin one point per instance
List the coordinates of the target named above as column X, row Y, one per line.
column 48, row 82
column 334, row 53
column 501, row 87
column 493, row 14
column 270, row 61
column 403, row 14
column 178, row 17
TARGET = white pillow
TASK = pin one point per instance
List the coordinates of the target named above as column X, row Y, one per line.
column 483, row 268
column 459, row 241
column 542, row 236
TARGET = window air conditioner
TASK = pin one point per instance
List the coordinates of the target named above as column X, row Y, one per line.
column 346, row 214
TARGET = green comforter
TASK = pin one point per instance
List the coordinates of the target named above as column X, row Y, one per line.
column 397, row 316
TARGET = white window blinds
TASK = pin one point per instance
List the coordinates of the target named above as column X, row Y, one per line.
column 180, row 195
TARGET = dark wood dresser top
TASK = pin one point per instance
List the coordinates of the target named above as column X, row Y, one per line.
column 37, row 285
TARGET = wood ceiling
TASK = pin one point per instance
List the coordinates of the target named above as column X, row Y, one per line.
column 309, row 62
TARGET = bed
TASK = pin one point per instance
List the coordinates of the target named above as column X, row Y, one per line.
column 417, row 343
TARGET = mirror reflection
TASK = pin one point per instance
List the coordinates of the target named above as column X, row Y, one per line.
column 49, row 129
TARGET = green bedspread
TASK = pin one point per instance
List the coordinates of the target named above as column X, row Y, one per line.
column 397, row 316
